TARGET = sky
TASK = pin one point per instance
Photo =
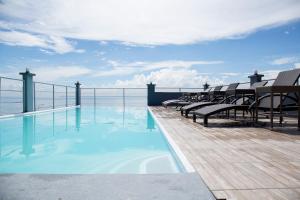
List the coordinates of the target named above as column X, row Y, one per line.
column 129, row 43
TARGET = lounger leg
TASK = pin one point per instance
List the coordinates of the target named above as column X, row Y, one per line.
column 299, row 112
column 234, row 114
column 194, row 118
column 256, row 109
column 243, row 104
column 271, row 110
column 181, row 112
column 186, row 114
column 280, row 118
column 205, row 121
column 251, row 114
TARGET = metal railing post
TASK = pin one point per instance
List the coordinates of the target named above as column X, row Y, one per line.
column 34, row 97
column 78, row 94
column 124, row 97
column 27, row 78
column 94, row 96
column 0, row 97
column 53, row 104
column 66, row 96
column 179, row 89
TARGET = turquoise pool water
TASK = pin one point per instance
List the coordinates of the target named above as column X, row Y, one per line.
column 85, row 140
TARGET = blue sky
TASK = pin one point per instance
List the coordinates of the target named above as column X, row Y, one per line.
column 170, row 44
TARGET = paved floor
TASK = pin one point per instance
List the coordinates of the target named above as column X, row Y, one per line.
column 185, row 186
column 238, row 161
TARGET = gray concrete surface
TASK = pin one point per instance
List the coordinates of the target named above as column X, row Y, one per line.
column 185, row 186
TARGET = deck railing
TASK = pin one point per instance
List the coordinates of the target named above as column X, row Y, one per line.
column 11, row 93
column 51, row 96
column 45, row 95
column 114, row 96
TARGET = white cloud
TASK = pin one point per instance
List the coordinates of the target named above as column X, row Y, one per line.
column 103, row 43
column 284, row 60
column 162, row 78
column 270, row 74
column 54, row 43
column 146, row 21
column 160, row 72
column 99, row 53
column 50, row 74
column 230, row 74
column 130, row 44
column 119, row 69
column 116, row 71
column 177, row 64
column 297, row 65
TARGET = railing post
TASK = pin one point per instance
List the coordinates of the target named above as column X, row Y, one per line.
column 66, row 96
column 150, row 94
column 78, row 94
column 205, row 86
column 179, row 89
column 123, row 97
column 255, row 78
column 0, row 96
column 27, row 91
column 53, row 97
column 34, row 97
column 94, row 96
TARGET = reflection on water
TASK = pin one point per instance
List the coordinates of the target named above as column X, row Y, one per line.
column 85, row 140
column 150, row 121
column 78, row 118
column 28, row 135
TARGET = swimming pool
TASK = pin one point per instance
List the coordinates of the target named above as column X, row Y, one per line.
column 86, row 140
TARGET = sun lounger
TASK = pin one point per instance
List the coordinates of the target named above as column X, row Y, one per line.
column 283, row 95
column 173, row 102
column 183, row 102
column 240, row 103
column 185, row 110
column 215, row 93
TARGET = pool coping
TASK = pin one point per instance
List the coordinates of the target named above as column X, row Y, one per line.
column 37, row 112
column 176, row 186
column 182, row 158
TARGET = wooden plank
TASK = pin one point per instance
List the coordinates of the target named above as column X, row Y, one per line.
column 236, row 161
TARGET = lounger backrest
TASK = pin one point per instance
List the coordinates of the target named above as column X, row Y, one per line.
column 207, row 90
column 258, row 84
column 232, row 86
column 265, row 103
column 218, row 88
column 287, row 78
column 241, row 101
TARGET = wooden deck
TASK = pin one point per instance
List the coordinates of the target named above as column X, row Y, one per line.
column 238, row 162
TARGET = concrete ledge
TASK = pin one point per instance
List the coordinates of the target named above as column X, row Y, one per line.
column 105, row 187
column 37, row 112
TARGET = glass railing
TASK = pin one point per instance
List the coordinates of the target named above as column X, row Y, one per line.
column 51, row 96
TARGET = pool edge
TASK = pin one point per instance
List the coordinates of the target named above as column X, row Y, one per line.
column 185, row 162
column 37, row 112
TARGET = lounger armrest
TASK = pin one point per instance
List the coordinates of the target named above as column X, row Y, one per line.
column 227, row 99
column 252, row 106
column 278, row 89
column 246, row 99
